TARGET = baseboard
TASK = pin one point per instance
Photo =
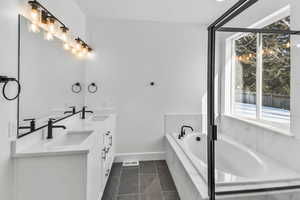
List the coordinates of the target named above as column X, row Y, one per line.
column 120, row 157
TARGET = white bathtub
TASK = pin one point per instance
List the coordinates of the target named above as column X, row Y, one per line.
column 235, row 164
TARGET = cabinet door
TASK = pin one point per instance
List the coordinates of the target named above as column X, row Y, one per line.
column 94, row 169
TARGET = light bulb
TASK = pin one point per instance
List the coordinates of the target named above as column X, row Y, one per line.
column 85, row 50
column 67, row 46
column 34, row 13
column 74, row 51
column 64, row 35
column 80, row 54
column 51, row 24
column 90, row 52
column 48, row 36
column 78, row 44
column 33, row 27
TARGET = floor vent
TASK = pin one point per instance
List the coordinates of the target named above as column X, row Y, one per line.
column 130, row 163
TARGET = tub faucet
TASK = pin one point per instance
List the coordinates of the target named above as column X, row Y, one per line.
column 50, row 128
column 182, row 131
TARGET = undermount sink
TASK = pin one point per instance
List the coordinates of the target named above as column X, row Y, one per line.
column 99, row 118
column 70, row 139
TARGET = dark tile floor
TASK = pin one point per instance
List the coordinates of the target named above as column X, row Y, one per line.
column 150, row 181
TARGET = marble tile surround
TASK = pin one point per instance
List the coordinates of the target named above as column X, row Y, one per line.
column 282, row 148
column 191, row 187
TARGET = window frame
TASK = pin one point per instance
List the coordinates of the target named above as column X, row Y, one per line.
column 230, row 80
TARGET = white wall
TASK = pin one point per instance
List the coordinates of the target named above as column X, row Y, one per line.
column 284, row 149
column 8, row 66
column 131, row 54
column 51, row 74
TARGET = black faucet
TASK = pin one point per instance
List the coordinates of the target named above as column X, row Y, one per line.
column 31, row 127
column 51, row 126
column 182, row 131
column 85, row 111
column 73, row 110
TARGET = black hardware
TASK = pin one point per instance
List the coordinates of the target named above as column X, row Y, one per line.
column 6, row 80
column 107, row 133
column 111, row 140
column 51, row 126
column 217, row 25
column 152, row 83
column 198, row 139
column 92, row 85
column 31, row 127
column 182, row 130
column 73, row 110
column 85, row 111
column 44, row 126
column 104, row 153
column 76, row 87
column 258, row 30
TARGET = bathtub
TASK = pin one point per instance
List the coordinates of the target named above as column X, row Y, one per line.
column 236, row 164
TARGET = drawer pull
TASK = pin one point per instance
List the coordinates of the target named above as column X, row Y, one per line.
column 104, row 153
column 107, row 172
column 111, row 141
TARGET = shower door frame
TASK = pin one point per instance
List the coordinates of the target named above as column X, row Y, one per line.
column 212, row 132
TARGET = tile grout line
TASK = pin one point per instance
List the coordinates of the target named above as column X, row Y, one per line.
column 118, row 184
column 139, row 183
column 161, row 190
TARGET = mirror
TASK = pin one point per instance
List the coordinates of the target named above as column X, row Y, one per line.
column 47, row 73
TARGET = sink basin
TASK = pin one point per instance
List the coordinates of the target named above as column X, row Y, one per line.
column 70, row 139
column 99, row 118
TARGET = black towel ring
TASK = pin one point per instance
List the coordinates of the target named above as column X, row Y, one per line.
column 92, row 85
column 6, row 80
column 78, row 86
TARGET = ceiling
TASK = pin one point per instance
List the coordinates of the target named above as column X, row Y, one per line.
column 188, row 11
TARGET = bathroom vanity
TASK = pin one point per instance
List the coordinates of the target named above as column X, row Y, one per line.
column 74, row 165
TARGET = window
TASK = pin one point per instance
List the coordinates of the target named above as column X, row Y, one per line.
column 261, row 75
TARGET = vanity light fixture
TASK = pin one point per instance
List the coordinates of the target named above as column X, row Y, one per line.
column 78, row 44
column 51, row 25
column 90, row 52
column 35, row 12
column 34, row 17
column 64, row 34
column 84, row 49
column 41, row 17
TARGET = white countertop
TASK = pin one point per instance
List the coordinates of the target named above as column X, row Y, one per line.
column 34, row 145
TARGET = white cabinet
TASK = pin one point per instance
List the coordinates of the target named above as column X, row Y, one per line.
column 64, row 174
column 108, row 150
